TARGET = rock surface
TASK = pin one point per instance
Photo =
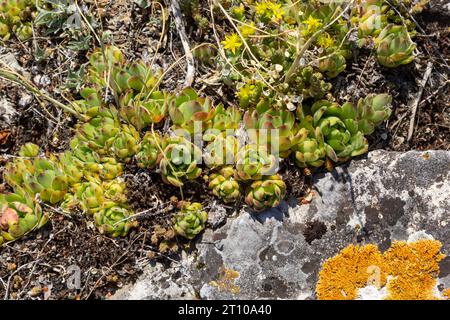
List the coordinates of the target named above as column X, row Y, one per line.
column 385, row 197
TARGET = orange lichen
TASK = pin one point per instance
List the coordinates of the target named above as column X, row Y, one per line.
column 226, row 281
column 341, row 275
column 415, row 267
column 408, row 270
column 446, row 293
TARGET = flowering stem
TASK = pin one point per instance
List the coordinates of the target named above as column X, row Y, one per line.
column 293, row 69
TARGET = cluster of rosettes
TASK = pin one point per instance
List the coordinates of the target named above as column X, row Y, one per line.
column 122, row 114
column 391, row 33
column 283, row 52
column 15, row 18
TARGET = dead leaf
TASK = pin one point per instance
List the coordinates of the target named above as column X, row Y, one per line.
column 4, row 135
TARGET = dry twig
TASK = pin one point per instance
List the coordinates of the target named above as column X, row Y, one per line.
column 190, row 73
column 418, row 98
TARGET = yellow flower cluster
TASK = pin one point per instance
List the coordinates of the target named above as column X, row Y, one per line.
column 325, row 40
column 408, row 270
column 312, row 25
column 269, row 10
column 232, row 42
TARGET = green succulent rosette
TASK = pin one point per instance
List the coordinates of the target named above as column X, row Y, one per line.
column 19, row 214
column 224, row 186
column 179, row 160
column 190, row 220
column 265, row 193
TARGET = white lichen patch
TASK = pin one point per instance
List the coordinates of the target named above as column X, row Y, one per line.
column 371, row 292
column 419, row 235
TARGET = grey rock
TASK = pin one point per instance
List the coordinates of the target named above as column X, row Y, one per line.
column 277, row 254
column 7, row 111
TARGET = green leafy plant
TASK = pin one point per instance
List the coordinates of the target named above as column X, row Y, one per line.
column 148, row 151
column 265, row 193
column 190, row 220
column 253, row 162
column 394, row 46
column 67, row 20
column 179, row 160
column 188, row 110
column 19, row 214
column 273, row 128
column 15, row 18
column 224, row 186
column 114, row 219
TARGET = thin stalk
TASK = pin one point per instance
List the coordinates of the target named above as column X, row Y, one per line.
column 16, row 78
column 293, row 69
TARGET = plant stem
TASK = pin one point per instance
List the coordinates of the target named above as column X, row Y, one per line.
column 296, row 63
column 25, row 83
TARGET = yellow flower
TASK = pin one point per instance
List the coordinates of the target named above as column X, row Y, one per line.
column 277, row 12
column 238, row 11
column 325, row 40
column 261, row 8
column 269, row 10
column 247, row 29
column 232, row 42
column 313, row 24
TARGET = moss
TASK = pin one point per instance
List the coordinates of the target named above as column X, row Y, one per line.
column 408, row 270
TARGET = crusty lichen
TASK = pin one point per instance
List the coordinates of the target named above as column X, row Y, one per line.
column 408, row 270
column 226, row 281
column 415, row 267
column 446, row 294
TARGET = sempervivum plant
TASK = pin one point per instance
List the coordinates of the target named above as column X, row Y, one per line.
column 19, row 214
column 14, row 171
column 148, row 150
column 273, row 128
column 96, row 135
column 311, row 151
column 29, row 150
column 338, row 131
column 221, row 151
column 188, row 110
column 372, row 111
column 94, row 166
column 114, row 219
column 108, row 67
column 332, row 65
column 190, row 220
column 253, row 162
column 90, row 196
column 265, row 193
column 48, row 180
column 223, row 120
column 394, row 46
column 71, row 167
column 124, row 144
column 142, row 110
column 339, row 127
column 372, row 18
column 224, row 186
column 179, row 160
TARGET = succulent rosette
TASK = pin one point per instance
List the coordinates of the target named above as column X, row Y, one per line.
column 253, row 162
column 179, row 160
column 394, row 46
column 265, row 193
column 224, row 185
column 190, row 220
column 19, row 214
